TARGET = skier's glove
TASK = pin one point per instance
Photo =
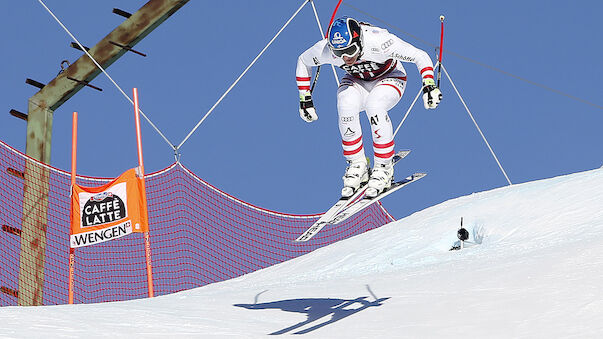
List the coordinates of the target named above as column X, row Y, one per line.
column 306, row 107
column 431, row 94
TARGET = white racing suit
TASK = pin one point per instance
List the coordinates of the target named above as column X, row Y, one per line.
column 375, row 84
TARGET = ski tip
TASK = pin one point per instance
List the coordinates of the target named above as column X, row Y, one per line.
column 415, row 176
column 401, row 154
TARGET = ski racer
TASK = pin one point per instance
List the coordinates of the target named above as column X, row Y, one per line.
column 375, row 81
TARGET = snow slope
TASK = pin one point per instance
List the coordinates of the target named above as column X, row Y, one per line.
column 537, row 272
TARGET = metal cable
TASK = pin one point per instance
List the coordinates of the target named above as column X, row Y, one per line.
column 476, row 125
column 242, row 74
column 106, row 74
column 408, row 112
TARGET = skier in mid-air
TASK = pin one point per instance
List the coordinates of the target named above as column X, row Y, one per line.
column 375, row 81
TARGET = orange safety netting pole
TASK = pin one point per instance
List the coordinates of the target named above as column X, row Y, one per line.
column 147, row 242
column 73, row 172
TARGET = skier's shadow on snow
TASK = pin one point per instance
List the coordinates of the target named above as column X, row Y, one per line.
column 316, row 309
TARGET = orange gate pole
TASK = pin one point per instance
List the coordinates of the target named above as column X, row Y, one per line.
column 147, row 242
column 73, row 173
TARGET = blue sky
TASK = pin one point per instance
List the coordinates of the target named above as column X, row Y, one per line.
column 254, row 145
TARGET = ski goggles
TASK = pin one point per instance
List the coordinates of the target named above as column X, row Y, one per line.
column 349, row 51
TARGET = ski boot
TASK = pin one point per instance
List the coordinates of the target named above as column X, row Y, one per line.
column 381, row 179
column 356, row 174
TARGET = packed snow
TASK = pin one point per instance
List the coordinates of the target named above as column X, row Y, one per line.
column 532, row 267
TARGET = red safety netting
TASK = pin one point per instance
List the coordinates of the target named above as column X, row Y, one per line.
column 198, row 234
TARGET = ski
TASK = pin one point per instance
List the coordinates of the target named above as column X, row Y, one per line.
column 341, row 204
column 366, row 201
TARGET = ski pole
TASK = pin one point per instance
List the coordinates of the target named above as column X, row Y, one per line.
column 325, row 35
column 408, row 111
column 315, row 78
column 441, row 46
column 439, row 75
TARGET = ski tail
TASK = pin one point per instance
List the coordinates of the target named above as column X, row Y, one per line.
column 342, row 204
column 365, row 202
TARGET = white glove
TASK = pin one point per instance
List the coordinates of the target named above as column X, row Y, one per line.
column 431, row 94
column 306, row 107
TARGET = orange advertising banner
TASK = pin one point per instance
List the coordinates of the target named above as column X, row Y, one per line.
column 108, row 212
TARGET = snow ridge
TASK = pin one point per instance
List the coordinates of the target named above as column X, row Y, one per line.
column 535, row 271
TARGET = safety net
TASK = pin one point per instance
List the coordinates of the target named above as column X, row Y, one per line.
column 198, row 235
